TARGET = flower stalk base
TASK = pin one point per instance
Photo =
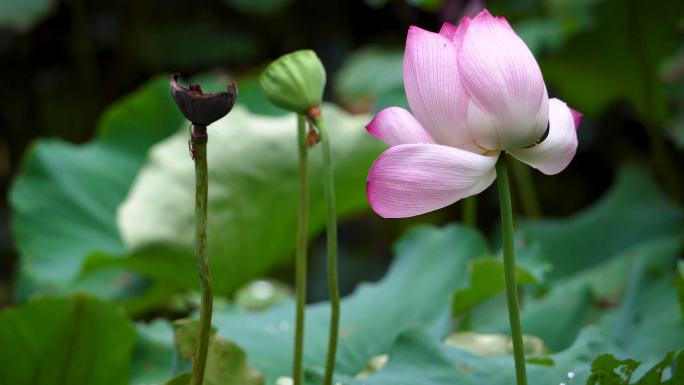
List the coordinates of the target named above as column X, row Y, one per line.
column 198, row 148
column 301, row 252
column 509, row 268
column 331, row 228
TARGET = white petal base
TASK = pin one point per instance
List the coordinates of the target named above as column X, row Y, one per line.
column 413, row 179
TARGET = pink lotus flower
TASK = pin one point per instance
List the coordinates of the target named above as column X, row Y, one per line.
column 475, row 90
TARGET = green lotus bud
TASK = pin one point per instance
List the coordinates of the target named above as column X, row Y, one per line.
column 295, row 81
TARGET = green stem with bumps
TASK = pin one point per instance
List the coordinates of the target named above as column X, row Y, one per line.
column 509, row 268
column 331, row 216
column 300, row 257
column 199, row 153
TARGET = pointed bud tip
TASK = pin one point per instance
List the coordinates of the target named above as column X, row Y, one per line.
column 486, row 17
column 448, row 30
column 200, row 108
column 295, row 81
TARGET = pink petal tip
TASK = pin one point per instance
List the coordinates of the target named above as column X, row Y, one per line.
column 576, row 117
column 448, row 30
column 395, row 125
column 486, row 17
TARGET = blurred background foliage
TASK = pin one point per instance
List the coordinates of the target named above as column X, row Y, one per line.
column 95, row 200
column 620, row 62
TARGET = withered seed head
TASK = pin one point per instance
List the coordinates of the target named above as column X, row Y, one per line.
column 200, row 108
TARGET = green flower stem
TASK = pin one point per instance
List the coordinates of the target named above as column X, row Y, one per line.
column 526, row 190
column 470, row 211
column 199, row 153
column 302, row 241
column 509, row 268
column 333, row 286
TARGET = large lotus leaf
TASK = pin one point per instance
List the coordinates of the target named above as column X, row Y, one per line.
column 226, row 363
column 633, row 211
column 418, row 358
column 133, row 291
column 430, row 264
column 591, row 255
column 570, row 307
column 574, row 300
column 76, row 340
column 155, row 358
column 253, row 189
column 65, row 196
column 648, row 323
column 486, row 280
column 646, row 326
column 637, row 314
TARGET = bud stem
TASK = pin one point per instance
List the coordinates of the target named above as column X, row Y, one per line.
column 509, row 268
column 302, row 240
column 333, row 286
column 199, row 152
